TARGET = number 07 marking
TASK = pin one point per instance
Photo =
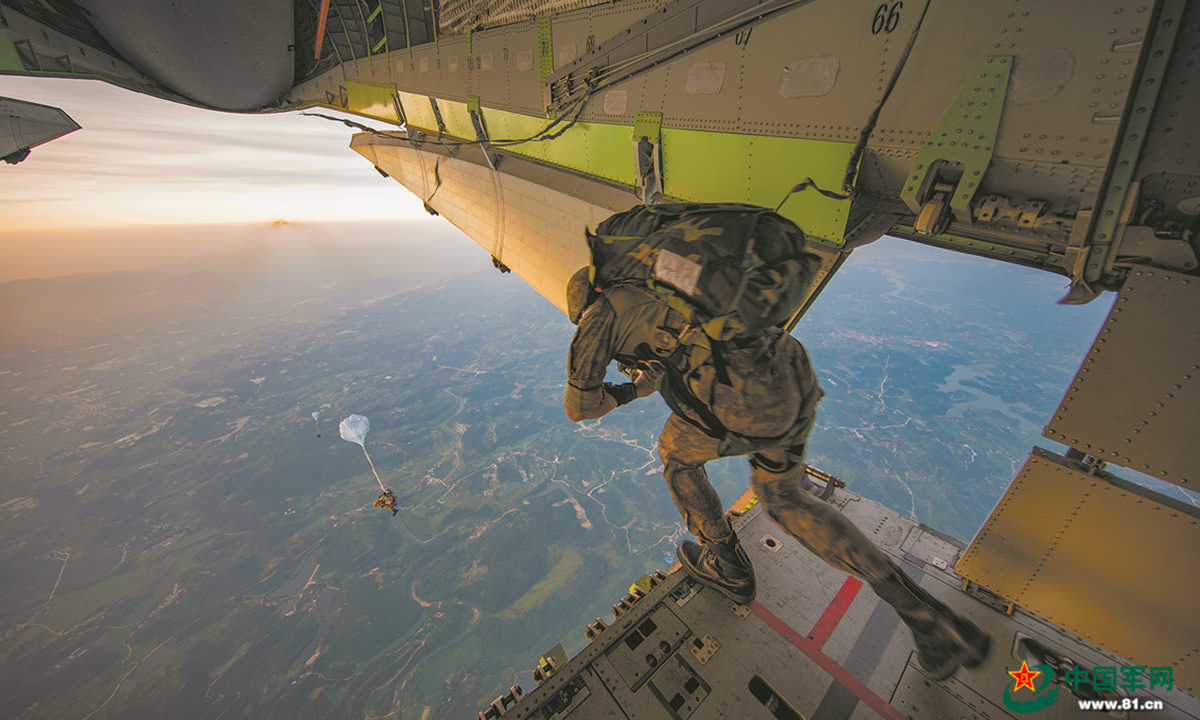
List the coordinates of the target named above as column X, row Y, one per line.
column 887, row 17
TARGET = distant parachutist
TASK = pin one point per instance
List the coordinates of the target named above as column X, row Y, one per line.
column 387, row 501
column 354, row 429
column 317, row 414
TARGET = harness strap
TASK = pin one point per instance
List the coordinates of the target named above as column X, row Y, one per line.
column 720, row 366
column 678, row 392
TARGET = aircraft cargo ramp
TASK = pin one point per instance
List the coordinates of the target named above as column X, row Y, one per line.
column 816, row 644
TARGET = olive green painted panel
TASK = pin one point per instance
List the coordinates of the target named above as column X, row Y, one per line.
column 704, row 166
column 457, row 118
column 372, row 101
column 965, row 137
column 418, row 112
column 595, row 149
column 9, row 60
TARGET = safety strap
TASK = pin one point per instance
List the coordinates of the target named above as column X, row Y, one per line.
column 810, row 183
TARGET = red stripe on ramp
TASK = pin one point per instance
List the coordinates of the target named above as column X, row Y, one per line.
column 837, row 672
column 834, row 613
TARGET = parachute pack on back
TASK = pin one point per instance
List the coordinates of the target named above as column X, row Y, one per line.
column 731, row 269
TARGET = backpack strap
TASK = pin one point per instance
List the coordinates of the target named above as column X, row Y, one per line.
column 720, row 367
column 679, row 396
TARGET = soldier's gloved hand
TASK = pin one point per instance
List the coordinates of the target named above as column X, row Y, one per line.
column 624, row 393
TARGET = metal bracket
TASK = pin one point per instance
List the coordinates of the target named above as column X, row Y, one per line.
column 1140, row 245
column 1029, row 215
column 29, row 59
column 549, row 663
column 437, row 115
column 475, row 110
column 832, row 482
column 950, row 167
column 647, row 155
column 399, row 107
column 502, row 704
column 545, row 37
column 591, row 632
column 1119, row 185
column 704, row 648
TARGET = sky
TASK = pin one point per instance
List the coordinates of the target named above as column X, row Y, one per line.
column 139, row 160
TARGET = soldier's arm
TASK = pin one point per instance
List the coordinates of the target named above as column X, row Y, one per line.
column 616, row 396
column 591, row 352
column 605, row 407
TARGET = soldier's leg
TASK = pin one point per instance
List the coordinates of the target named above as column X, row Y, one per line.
column 816, row 524
column 720, row 563
column 944, row 640
column 684, row 450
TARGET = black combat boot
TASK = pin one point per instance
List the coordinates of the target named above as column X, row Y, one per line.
column 944, row 639
column 722, row 566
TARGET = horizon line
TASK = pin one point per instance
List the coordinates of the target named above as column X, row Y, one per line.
column 273, row 223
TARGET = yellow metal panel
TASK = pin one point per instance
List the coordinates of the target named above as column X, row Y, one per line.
column 1105, row 559
column 372, row 101
column 704, row 166
column 418, row 112
column 698, row 166
column 457, row 119
column 595, row 149
column 1137, row 408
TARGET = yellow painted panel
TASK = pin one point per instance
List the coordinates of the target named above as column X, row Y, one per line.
column 457, row 119
column 596, row 149
column 418, row 112
column 372, row 101
column 1107, row 560
column 704, row 166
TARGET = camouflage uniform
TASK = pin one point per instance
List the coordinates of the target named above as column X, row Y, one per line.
column 755, row 397
column 768, row 406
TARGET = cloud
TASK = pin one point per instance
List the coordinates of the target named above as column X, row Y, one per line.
column 141, row 160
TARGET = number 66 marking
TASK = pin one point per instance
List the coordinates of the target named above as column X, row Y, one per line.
column 887, row 17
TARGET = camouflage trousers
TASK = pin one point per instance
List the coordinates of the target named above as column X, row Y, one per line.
column 777, row 405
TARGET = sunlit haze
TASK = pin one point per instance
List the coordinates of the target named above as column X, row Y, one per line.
column 139, row 160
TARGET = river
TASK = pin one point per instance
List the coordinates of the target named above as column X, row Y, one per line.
column 982, row 400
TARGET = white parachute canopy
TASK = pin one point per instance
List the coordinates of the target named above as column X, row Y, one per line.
column 316, row 414
column 354, row 429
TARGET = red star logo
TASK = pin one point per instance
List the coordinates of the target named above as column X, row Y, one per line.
column 1024, row 677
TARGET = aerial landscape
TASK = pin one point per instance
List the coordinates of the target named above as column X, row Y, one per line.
column 283, row 358
column 177, row 539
